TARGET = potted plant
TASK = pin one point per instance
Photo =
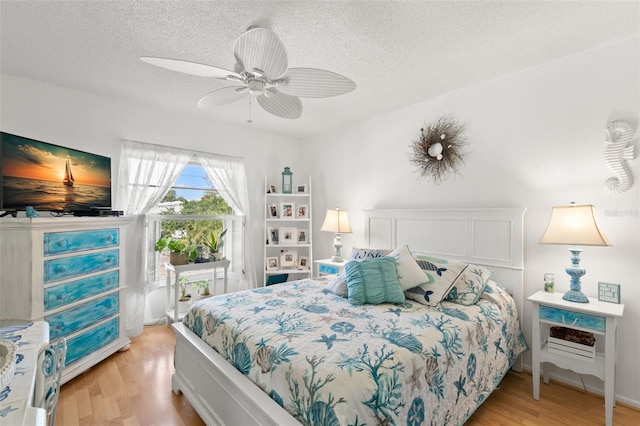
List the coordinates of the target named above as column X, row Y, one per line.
column 179, row 251
column 185, row 299
column 214, row 242
column 203, row 287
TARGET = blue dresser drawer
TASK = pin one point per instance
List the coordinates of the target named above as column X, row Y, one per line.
column 327, row 269
column 71, row 320
column 70, row 292
column 572, row 319
column 86, row 343
column 69, row 242
column 69, row 267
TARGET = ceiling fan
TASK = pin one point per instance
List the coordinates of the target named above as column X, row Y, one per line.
column 261, row 69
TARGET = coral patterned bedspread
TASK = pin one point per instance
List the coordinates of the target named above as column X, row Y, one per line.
column 328, row 362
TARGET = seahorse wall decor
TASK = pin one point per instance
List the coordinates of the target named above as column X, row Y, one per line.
column 618, row 150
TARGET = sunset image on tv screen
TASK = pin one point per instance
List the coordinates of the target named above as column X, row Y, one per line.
column 52, row 177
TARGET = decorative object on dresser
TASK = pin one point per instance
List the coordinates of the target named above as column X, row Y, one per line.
column 574, row 225
column 71, row 273
column 337, row 221
column 619, row 149
column 608, row 292
column 437, row 149
column 562, row 333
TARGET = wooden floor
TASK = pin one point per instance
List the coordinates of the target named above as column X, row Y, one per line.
column 134, row 388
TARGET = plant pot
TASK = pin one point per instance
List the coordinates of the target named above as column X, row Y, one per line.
column 178, row 258
column 184, row 305
column 216, row 256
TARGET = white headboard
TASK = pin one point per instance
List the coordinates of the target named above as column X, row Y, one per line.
column 485, row 236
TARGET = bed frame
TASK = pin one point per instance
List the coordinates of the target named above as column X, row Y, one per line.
column 492, row 237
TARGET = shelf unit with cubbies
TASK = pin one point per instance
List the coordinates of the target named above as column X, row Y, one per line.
column 288, row 237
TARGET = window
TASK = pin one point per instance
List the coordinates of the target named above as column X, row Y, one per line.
column 190, row 210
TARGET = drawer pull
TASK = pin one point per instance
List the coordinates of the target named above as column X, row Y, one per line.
column 62, row 243
column 60, row 269
column 573, row 323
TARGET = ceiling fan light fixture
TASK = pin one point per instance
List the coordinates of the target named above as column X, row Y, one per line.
column 256, row 87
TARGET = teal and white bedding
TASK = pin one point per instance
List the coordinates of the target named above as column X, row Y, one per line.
column 328, row 362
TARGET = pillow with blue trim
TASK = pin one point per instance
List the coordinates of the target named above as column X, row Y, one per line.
column 409, row 272
column 469, row 285
column 441, row 275
column 373, row 281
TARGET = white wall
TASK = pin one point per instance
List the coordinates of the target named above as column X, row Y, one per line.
column 97, row 124
column 536, row 139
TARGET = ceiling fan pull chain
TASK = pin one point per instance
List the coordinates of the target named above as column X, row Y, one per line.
column 250, row 120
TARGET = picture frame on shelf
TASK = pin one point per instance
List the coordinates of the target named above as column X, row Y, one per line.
column 302, row 212
column 271, row 189
column 273, row 211
column 287, row 236
column 303, row 263
column 288, row 259
column 287, row 210
column 272, row 263
column 301, row 188
column 273, row 236
column 608, row 292
column 301, row 236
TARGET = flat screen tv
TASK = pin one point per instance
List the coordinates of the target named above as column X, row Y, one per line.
column 50, row 177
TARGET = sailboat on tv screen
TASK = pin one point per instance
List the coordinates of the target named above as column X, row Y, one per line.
column 68, row 176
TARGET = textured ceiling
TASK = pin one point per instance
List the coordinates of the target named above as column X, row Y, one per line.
column 398, row 53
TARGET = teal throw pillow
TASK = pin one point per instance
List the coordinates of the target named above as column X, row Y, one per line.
column 373, row 281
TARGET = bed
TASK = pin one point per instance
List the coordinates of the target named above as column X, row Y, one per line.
column 328, row 361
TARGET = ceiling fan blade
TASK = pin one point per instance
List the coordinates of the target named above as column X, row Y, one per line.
column 315, row 83
column 261, row 49
column 281, row 105
column 192, row 68
column 223, row 96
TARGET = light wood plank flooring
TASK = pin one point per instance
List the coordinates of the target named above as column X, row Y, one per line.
column 134, row 388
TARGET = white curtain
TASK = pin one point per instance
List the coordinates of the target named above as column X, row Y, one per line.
column 228, row 176
column 146, row 173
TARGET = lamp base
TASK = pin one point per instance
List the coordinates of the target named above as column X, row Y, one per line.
column 575, row 296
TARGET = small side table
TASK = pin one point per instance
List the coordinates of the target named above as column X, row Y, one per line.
column 174, row 315
column 328, row 267
column 599, row 318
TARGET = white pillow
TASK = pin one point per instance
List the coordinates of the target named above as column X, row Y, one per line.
column 410, row 274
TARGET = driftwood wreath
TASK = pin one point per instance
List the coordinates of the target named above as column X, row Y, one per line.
column 437, row 149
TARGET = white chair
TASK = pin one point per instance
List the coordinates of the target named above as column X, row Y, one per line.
column 51, row 360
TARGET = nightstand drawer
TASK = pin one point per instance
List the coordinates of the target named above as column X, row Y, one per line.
column 71, row 320
column 64, row 294
column 68, row 267
column 572, row 319
column 327, row 269
column 89, row 342
column 70, row 242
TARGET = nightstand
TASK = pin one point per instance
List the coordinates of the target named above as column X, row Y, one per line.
column 328, row 267
column 599, row 318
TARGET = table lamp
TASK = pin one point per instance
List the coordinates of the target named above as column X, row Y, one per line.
column 574, row 225
column 337, row 221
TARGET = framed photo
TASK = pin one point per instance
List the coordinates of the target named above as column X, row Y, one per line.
column 288, row 259
column 608, row 292
column 301, row 189
column 287, row 210
column 272, row 263
column 301, row 236
column 302, row 212
column 273, row 236
column 271, row 189
column 287, row 236
column 273, row 211
column 303, row 263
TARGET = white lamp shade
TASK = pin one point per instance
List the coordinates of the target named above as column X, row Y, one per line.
column 574, row 225
column 336, row 221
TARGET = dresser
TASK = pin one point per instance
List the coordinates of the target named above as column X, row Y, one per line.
column 69, row 272
column 596, row 317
